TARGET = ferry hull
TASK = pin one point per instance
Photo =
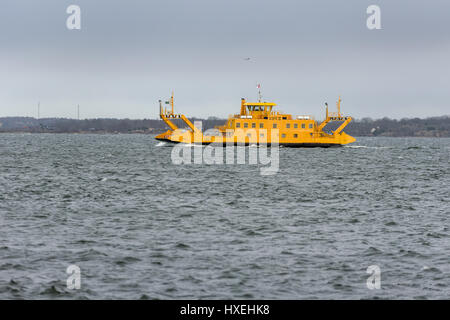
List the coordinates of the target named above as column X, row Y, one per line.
column 288, row 145
column 212, row 140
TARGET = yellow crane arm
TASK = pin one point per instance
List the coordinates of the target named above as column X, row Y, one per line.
column 342, row 126
column 190, row 125
column 168, row 122
column 323, row 124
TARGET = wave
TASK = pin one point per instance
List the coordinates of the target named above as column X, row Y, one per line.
column 187, row 145
column 366, row 147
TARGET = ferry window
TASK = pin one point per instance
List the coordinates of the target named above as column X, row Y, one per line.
column 265, row 117
column 295, row 125
column 288, row 125
column 245, row 125
column 253, row 125
column 283, row 135
column 262, row 135
column 284, row 118
column 238, row 124
column 303, row 126
column 310, row 125
column 295, row 135
column 249, row 135
column 274, row 125
column 261, row 125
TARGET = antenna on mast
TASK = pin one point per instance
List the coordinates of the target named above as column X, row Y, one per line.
column 339, row 106
column 39, row 110
column 78, row 112
column 258, row 86
column 171, row 102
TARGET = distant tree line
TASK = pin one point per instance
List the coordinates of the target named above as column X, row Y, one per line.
column 429, row 127
column 415, row 127
column 101, row 125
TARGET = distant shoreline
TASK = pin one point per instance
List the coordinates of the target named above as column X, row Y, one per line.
column 366, row 127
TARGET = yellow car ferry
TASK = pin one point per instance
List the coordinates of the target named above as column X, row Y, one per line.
column 258, row 123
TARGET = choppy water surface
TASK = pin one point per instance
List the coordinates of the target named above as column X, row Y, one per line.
column 140, row 227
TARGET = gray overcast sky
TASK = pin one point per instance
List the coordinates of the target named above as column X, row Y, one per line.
column 128, row 54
